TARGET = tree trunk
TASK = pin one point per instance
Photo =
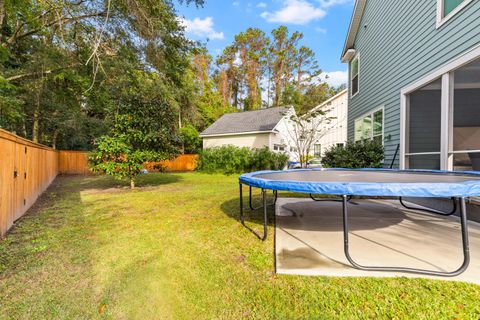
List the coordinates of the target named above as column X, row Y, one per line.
column 36, row 116
column 132, row 183
column 36, row 124
column 3, row 20
column 54, row 139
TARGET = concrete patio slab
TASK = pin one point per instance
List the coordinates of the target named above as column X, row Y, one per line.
column 309, row 239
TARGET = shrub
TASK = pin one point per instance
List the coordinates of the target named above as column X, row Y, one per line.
column 192, row 143
column 360, row 154
column 230, row 159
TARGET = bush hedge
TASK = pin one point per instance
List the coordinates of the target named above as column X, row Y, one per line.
column 360, row 154
column 230, row 159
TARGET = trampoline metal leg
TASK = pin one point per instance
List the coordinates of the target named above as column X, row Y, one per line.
column 250, row 203
column 265, row 214
column 431, row 211
column 465, row 244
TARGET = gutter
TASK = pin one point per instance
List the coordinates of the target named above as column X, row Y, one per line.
column 236, row 133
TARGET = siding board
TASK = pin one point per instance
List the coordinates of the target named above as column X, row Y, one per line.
column 400, row 45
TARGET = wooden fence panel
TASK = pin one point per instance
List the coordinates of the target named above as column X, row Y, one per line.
column 184, row 162
column 73, row 162
column 26, row 170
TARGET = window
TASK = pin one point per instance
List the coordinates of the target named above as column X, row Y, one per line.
column 317, row 150
column 448, row 8
column 370, row 126
column 450, row 5
column 354, row 71
column 278, row 147
column 340, row 145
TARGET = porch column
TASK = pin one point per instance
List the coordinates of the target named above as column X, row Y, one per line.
column 446, row 121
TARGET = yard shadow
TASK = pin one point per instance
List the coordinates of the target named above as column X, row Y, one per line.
column 307, row 214
column 327, row 216
column 232, row 209
column 109, row 183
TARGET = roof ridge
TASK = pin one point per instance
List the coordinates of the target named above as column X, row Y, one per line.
column 262, row 109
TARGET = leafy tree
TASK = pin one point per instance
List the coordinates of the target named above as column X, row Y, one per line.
column 143, row 129
column 283, row 52
column 192, row 143
column 252, row 48
column 63, row 63
column 229, row 79
column 279, row 64
column 207, row 102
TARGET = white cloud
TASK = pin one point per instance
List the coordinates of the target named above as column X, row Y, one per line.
column 335, row 78
column 301, row 11
column 321, row 30
column 236, row 3
column 261, row 5
column 331, row 3
column 202, row 28
column 295, row 12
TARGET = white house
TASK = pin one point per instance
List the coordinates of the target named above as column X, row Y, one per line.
column 254, row 129
column 334, row 133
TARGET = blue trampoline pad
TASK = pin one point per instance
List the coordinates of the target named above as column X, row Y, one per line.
column 369, row 182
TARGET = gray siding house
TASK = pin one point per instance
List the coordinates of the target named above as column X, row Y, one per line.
column 414, row 81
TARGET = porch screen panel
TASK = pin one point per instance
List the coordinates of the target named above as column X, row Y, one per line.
column 424, row 124
column 466, row 118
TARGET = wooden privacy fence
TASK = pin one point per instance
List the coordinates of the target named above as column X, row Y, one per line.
column 184, row 162
column 76, row 162
column 28, row 168
column 73, row 162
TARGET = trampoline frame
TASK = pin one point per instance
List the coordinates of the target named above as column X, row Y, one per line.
column 454, row 209
column 345, row 199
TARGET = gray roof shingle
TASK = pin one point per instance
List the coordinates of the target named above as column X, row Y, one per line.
column 247, row 121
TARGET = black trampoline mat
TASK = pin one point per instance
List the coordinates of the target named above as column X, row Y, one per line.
column 367, row 176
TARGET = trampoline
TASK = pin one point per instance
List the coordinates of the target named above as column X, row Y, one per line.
column 346, row 183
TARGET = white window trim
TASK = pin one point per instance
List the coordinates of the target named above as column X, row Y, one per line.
column 446, row 73
column 371, row 113
column 440, row 9
column 357, row 56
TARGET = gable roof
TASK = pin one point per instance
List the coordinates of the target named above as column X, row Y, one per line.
column 263, row 120
column 354, row 26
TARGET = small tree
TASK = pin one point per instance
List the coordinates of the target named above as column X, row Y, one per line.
column 115, row 157
column 142, row 130
column 304, row 130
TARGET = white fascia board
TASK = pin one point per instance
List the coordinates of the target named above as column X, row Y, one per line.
column 234, row 134
column 354, row 26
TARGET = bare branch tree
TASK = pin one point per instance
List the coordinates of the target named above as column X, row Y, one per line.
column 305, row 130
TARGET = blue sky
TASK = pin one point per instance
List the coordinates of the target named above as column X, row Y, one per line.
column 323, row 22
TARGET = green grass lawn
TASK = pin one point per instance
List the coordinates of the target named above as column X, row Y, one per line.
column 173, row 249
